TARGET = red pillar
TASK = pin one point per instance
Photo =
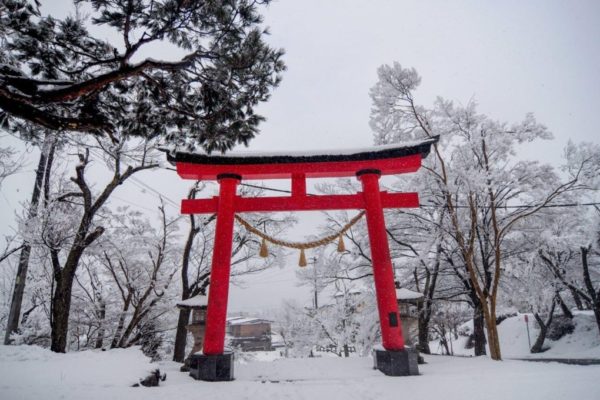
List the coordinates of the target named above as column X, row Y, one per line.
column 216, row 315
column 389, row 319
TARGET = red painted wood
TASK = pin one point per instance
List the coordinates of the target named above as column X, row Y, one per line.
column 335, row 169
column 298, row 185
column 216, row 315
column 383, row 275
column 298, row 203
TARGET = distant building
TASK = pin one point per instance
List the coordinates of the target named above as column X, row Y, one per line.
column 250, row 334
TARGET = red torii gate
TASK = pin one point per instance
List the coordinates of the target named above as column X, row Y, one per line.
column 367, row 165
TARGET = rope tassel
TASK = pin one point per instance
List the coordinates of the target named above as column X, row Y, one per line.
column 341, row 246
column 302, row 261
column 264, row 251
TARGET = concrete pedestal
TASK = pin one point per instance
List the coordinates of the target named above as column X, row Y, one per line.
column 396, row 363
column 217, row 367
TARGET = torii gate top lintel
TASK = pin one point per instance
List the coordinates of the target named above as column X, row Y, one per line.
column 384, row 160
column 390, row 159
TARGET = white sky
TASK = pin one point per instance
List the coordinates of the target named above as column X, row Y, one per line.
column 512, row 57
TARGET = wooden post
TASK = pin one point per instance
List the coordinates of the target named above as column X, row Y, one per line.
column 385, row 289
column 216, row 316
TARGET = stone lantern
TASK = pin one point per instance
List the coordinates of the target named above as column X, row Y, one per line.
column 408, row 306
column 197, row 305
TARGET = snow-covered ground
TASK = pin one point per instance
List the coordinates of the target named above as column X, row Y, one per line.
column 584, row 342
column 35, row 373
column 30, row 372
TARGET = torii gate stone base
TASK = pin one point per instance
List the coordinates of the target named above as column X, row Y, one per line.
column 393, row 358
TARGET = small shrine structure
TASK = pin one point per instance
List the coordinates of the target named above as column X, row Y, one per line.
column 198, row 305
column 408, row 306
column 367, row 165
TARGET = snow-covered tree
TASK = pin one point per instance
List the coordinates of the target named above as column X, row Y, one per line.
column 9, row 164
column 582, row 161
column 562, row 243
column 477, row 176
column 314, row 276
column 140, row 262
column 569, row 251
column 41, row 189
column 70, row 222
column 55, row 74
column 348, row 321
column 298, row 329
column 349, row 318
column 445, row 322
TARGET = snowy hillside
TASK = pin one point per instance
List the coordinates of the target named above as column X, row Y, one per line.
column 584, row 342
column 35, row 373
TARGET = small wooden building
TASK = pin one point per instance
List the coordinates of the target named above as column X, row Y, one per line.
column 197, row 305
column 250, row 334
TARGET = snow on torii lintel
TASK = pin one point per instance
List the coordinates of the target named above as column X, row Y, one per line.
column 194, row 302
column 408, row 148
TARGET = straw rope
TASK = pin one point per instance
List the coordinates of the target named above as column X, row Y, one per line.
column 264, row 252
column 298, row 245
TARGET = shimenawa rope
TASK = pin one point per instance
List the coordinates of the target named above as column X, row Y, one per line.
column 298, row 245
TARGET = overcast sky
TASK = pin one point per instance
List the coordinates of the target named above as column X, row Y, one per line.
column 512, row 57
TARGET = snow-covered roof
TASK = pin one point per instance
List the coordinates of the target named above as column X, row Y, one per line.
column 194, row 302
column 252, row 157
column 406, row 294
column 246, row 321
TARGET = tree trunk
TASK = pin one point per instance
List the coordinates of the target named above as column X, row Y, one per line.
column 117, row 337
column 101, row 314
column 488, row 308
column 135, row 320
column 565, row 310
column 119, row 332
column 61, row 301
column 19, row 288
column 444, row 342
column 597, row 314
column 181, row 335
column 61, row 306
column 423, row 344
column 538, row 346
column 576, row 299
column 478, row 330
column 493, row 339
column 489, row 315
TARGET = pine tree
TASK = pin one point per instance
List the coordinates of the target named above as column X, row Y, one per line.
column 55, row 74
